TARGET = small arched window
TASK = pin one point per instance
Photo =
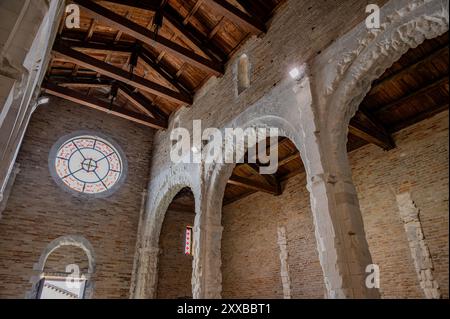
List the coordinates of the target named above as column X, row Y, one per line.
column 243, row 73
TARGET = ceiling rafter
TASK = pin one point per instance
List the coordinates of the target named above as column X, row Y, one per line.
column 142, row 102
column 100, row 105
column 126, row 47
column 120, row 74
column 252, row 184
column 150, row 38
column 250, row 23
column 176, row 22
column 424, row 90
column 138, row 100
column 369, row 129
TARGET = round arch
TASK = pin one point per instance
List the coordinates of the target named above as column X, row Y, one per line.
column 69, row 240
column 217, row 174
column 169, row 184
column 408, row 25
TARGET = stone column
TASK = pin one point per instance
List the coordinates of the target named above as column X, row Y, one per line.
column 342, row 245
column 147, row 276
column 420, row 252
column 341, row 242
column 207, row 272
column 207, row 275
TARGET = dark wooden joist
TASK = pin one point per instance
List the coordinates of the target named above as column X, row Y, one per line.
column 269, row 178
column 80, row 82
column 150, row 60
column 149, row 37
column 101, row 46
column 142, row 102
column 144, row 54
column 120, row 74
column 193, row 38
column 436, row 54
column 254, row 185
column 432, row 111
column 289, row 159
column 253, row 9
column 151, row 5
column 137, row 99
column 426, row 89
column 370, row 130
column 238, row 17
column 181, row 208
column 100, row 105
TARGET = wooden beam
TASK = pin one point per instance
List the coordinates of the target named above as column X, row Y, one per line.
column 149, row 37
column 254, row 185
column 181, row 208
column 100, row 105
column 191, row 36
column 151, row 5
column 142, row 102
column 419, row 117
column 101, row 46
column 415, row 94
column 136, row 98
column 145, row 55
column 238, row 17
column 150, row 60
column 367, row 128
column 80, row 82
column 269, row 178
column 289, row 159
column 253, row 9
column 195, row 38
column 120, row 74
column 411, row 68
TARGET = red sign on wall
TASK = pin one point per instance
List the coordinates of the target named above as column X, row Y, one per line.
column 188, row 241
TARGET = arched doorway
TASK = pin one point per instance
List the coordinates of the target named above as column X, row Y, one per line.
column 175, row 248
column 268, row 241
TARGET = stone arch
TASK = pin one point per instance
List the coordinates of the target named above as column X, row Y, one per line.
column 69, row 240
column 168, row 184
column 407, row 25
column 217, row 175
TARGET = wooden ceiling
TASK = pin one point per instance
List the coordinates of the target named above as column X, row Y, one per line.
column 143, row 59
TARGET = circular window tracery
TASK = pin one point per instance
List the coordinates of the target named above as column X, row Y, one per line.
column 87, row 164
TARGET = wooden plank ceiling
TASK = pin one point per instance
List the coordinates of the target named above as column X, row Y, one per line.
column 143, row 59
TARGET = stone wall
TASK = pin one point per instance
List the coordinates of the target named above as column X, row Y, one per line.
column 174, row 268
column 39, row 211
column 418, row 165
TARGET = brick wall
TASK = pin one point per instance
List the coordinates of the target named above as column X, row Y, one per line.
column 174, row 268
column 299, row 31
column 418, row 165
column 39, row 211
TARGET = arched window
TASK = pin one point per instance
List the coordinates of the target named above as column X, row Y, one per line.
column 243, row 73
column 64, row 270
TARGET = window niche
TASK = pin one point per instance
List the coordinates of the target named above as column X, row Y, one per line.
column 243, row 73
